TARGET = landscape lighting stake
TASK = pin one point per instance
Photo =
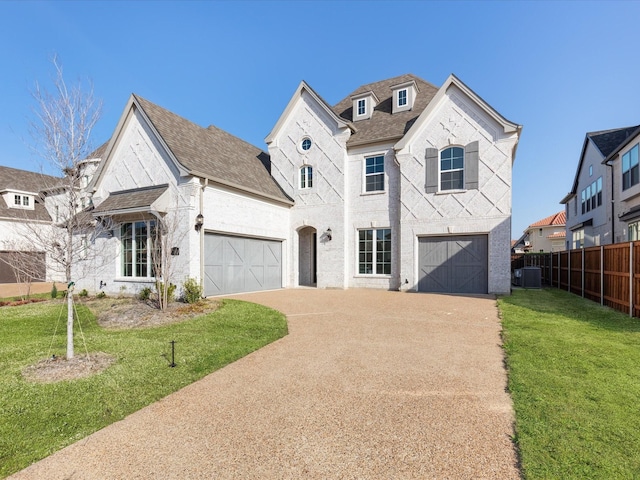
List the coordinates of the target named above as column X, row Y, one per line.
column 173, row 353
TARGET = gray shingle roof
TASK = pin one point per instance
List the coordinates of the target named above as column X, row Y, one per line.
column 383, row 125
column 25, row 181
column 213, row 153
column 608, row 140
column 131, row 199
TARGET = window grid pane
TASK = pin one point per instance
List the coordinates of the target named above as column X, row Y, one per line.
column 374, row 174
column 376, row 252
column 452, row 169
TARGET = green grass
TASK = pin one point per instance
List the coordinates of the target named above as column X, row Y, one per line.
column 574, row 376
column 38, row 419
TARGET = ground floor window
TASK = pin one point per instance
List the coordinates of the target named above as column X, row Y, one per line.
column 578, row 239
column 135, row 241
column 374, row 251
column 634, row 231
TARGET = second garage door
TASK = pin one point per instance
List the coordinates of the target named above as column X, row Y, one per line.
column 239, row 264
column 453, row 264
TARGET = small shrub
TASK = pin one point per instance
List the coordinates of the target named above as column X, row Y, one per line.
column 144, row 294
column 54, row 291
column 101, row 295
column 171, row 291
column 83, row 293
column 191, row 290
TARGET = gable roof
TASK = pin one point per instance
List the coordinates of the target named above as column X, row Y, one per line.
column 606, row 141
column 213, row 153
column 557, row 219
column 304, row 87
column 383, row 125
column 13, row 179
column 633, row 132
column 209, row 153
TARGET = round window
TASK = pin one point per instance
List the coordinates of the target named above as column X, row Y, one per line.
column 306, row 144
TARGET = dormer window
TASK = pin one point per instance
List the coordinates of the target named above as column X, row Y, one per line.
column 363, row 105
column 21, row 200
column 404, row 96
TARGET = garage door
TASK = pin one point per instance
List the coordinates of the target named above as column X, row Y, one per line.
column 453, row 264
column 239, row 264
column 30, row 263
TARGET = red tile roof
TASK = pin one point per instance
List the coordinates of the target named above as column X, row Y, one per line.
column 559, row 218
column 562, row 234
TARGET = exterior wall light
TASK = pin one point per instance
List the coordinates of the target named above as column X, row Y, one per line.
column 328, row 233
column 199, row 222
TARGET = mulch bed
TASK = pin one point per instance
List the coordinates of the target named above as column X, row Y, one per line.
column 113, row 313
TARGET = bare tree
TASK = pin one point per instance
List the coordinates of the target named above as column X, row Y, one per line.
column 64, row 119
column 166, row 236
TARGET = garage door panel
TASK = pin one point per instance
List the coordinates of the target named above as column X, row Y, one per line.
column 239, row 264
column 453, row 264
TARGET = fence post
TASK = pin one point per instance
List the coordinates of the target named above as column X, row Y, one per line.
column 601, row 274
column 631, row 279
column 559, row 267
column 582, row 273
column 569, row 271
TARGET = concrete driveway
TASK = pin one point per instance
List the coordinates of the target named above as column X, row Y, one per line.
column 367, row 385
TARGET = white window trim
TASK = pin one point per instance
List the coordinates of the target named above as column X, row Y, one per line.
column 120, row 277
column 453, row 190
column 357, row 255
column 364, row 174
column 306, row 176
column 364, row 104
column 406, row 97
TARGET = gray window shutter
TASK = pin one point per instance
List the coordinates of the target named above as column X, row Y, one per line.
column 431, row 184
column 471, row 166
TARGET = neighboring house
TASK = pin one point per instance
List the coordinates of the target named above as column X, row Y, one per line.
column 589, row 205
column 626, row 187
column 546, row 235
column 401, row 185
column 21, row 204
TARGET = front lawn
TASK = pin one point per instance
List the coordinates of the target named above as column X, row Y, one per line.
column 37, row 419
column 574, row 376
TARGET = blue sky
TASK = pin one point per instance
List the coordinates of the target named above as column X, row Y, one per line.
column 560, row 69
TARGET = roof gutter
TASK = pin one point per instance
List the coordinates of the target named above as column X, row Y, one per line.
column 241, row 188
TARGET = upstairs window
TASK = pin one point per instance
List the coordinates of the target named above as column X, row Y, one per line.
column 630, row 169
column 452, row 169
column 306, row 177
column 21, row 200
column 374, row 174
column 591, row 196
column 402, row 98
column 362, row 106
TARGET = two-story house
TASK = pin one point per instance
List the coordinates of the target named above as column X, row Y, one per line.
column 546, row 235
column 589, row 206
column 400, row 185
column 21, row 203
column 623, row 161
column 411, row 187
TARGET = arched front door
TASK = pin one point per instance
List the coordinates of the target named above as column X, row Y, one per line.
column 307, row 260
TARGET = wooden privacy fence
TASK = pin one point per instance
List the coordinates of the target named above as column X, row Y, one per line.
column 609, row 274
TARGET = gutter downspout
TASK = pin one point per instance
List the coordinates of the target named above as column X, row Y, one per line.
column 613, row 205
column 201, row 232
